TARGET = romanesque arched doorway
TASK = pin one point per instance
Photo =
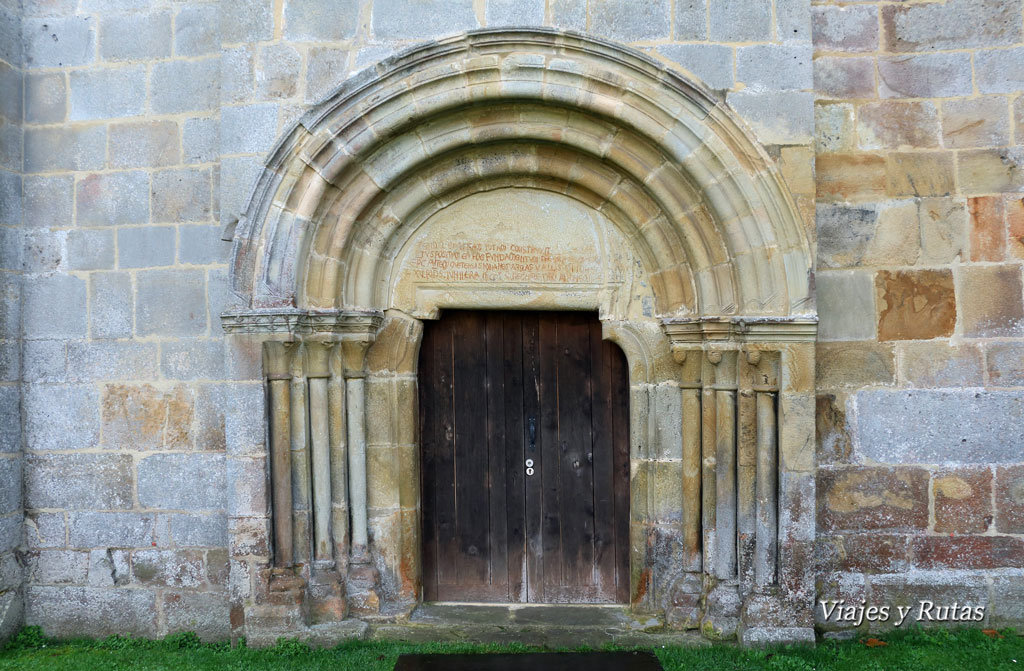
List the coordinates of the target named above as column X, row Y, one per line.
column 531, row 170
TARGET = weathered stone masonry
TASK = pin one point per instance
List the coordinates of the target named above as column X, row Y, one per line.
column 876, row 142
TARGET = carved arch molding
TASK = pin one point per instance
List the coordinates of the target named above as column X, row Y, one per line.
column 539, row 170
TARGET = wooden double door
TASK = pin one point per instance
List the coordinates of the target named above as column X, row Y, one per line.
column 524, row 434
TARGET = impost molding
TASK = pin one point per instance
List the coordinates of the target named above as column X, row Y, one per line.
column 740, row 330
column 302, row 322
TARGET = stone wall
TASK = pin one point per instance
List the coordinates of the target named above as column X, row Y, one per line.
column 146, row 122
column 920, row 219
column 11, row 511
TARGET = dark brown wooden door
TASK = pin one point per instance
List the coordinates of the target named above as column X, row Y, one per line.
column 499, row 391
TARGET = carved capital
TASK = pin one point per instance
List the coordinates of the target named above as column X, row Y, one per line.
column 353, row 356
column 318, row 357
column 277, row 358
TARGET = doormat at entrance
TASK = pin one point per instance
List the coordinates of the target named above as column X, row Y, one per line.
column 540, row 661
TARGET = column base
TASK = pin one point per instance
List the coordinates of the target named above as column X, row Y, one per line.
column 363, row 589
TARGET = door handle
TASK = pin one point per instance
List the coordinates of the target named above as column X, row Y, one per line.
column 532, row 423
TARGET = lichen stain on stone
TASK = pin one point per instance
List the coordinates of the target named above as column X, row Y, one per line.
column 952, row 487
column 852, row 492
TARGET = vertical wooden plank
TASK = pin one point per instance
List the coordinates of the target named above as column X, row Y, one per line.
column 515, row 454
column 497, row 541
column 620, row 431
column 444, row 473
column 428, row 420
column 576, row 476
column 550, row 462
column 603, row 446
column 534, row 486
column 470, row 448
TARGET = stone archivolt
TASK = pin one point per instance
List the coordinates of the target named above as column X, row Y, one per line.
column 707, row 290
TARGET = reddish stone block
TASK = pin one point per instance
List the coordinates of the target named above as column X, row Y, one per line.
column 915, row 305
column 850, row 177
column 1010, row 499
column 993, row 303
column 963, row 500
column 870, row 498
column 967, row 552
column 1015, row 225
column 863, row 553
column 146, row 418
column 987, row 242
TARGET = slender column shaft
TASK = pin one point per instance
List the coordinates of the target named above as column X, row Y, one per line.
column 321, row 453
column 708, row 463
column 355, row 389
column 339, row 465
column 691, row 478
column 725, row 484
column 302, row 494
column 278, row 384
column 746, row 498
column 767, row 491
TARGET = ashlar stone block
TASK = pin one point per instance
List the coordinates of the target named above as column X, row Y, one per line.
column 171, row 303
column 963, row 500
column 136, row 36
column 412, row 19
column 68, row 612
column 147, row 418
column 975, row 122
column 185, row 86
column 79, row 481
column 938, row 364
column 107, row 93
column 846, row 305
column 59, row 148
column 46, row 297
column 314, row 21
column 849, row 28
column 629, row 21
column 188, row 482
column 925, row 76
column 870, row 498
column 197, row 30
column 1009, row 499
column 110, row 305
column 58, row 41
column 740, row 21
column 101, row 529
column 144, row 144
column 991, row 301
column 45, row 97
column 915, row 304
column 112, row 199
column 844, row 78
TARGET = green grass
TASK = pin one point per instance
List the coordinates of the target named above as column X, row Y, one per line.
column 911, row 650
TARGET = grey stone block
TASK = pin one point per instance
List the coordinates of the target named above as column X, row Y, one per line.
column 181, row 195
column 247, row 487
column 241, row 435
column 690, row 20
column 10, row 304
column 61, row 417
column 238, row 174
column 90, row 249
column 43, row 361
column 201, row 245
column 59, row 567
column 171, row 303
column 113, row 199
column 940, row 427
column 120, row 530
column 10, row 190
column 11, row 98
column 740, row 20
column 47, row 200
column 185, row 86
column 279, row 73
column 168, row 568
column 191, row 482
column 248, row 129
column 10, row 35
column 77, row 481
column 209, row 418
column 844, row 233
column 12, row 243
column 110, row 305
column 10, row 419
column 10, row 484
column 107, row 93
column 129, row 37
column 514, row 13
column 46, row 297
column 411, row 19
column 192, row 359
column 1000, row 70
column 48, row 8
column 11, row 134
column 197, row 30
column 325, row 68
column 146, row 246
column 844, row 77
column 144, row 144
column 45, row 530
column 925, row 76
column 90, row 361
column 199, row 530
column 100, row 6
column 569, row 14
column 775, row 68
column 66, row 612
column 109, row 567
column 236, row 74
column 851, row 28
column 785, row 117
column 315, row 21
column 710, row 63
column 793, row 21
column 201, row 140
column 206, row 613
column 247, row 21
column 631, row 21
column 58, row 42
column 43, row 251
column 10, row 361
column 1007, row 609
column 53, row 149
column 10, row 533
column 956, row 24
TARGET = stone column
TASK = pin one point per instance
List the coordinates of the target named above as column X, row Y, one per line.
column 301, row 486
column 363, row 577
column 276, row 363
